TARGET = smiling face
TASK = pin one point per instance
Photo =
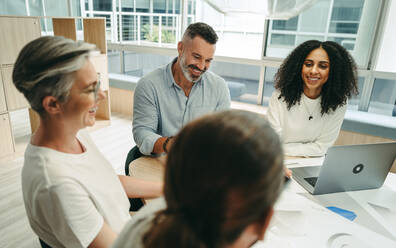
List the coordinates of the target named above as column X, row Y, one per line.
column 80, row 109
column 315, row 72
column 195, row 57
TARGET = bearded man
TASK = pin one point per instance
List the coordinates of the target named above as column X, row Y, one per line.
column 168, row 98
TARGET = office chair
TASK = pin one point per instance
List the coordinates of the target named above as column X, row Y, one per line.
column 134, row 153
column 43, row 244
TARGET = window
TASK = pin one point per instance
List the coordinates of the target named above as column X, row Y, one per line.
column 102, row 5
column 136, row 64
column 240, row 35
column 126, row 5
column 268, row 84
column 142, row 6
column 353, row 102
column 290, row 25
column 146, row 26
column 159, row 6
column 15, row 7
column 383, row 97
column 242, row 80
column 113, row 61
column 346, row 16
column 350, row 23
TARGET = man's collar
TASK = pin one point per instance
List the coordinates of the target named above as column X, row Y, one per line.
column 172, row 81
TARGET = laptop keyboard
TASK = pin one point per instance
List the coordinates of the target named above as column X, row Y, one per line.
column 311, row 180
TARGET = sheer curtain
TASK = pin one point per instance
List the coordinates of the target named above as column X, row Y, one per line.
column 271, row 9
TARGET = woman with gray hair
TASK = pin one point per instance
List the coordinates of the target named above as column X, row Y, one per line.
column 73, row 198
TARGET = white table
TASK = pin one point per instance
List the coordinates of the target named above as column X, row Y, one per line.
column 302, row 220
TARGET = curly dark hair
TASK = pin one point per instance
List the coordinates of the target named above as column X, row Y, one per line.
column 340, row 85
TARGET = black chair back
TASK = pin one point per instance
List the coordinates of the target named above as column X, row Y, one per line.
column 134, row 153
column 43, row 244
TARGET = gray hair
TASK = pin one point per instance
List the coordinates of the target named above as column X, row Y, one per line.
column 46, row 67
column 203, row 30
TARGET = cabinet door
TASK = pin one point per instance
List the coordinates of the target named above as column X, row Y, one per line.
column 100, row 63
column 16, row 32
column 15, row 99
column 3, row 106
column 6, row 144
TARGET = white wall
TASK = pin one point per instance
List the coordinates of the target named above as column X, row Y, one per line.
column 387, row 56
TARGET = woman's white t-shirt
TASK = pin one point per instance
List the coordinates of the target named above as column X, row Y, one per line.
column 68, row 196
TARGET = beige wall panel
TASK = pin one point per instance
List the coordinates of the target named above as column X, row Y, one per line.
column 34, row 120
column 103, row 111
column 121, row 101
column 16, row 32
column 65, row 27
column 15, row 99
column 3, row 106
column 100, row 63
column 95, row 33
column 352, row 138
column 6, row 142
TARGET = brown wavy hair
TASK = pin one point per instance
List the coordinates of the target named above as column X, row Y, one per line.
column 223, row 173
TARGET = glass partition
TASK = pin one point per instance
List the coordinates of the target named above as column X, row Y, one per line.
column 383, row 97
column 242, row 80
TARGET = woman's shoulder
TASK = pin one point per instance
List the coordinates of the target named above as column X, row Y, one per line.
column 133, row 232
column 276, row 94
column 276, row 100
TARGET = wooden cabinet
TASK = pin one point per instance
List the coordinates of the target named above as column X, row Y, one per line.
column 6, row 144
column 95, row 33
column 3, row 106
column 16, row 32
column 100, row 63
column 15, row 99
column 65, row 27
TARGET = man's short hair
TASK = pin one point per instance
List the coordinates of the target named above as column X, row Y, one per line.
column 203, row 30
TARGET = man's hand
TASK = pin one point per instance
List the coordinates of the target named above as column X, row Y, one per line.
column 159, row 145
column 288, row 173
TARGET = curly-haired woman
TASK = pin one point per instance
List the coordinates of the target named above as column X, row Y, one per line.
column 309, row 103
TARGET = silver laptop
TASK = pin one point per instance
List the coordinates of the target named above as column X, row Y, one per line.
column 348, row 168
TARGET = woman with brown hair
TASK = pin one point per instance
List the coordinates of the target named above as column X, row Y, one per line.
column 222, row 178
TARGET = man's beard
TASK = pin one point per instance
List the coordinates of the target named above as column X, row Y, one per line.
column 184, row 67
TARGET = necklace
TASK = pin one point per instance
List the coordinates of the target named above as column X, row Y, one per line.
column 310, row 113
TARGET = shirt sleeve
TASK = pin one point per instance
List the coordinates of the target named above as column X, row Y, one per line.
column 224, row 102
column 274, row 113
column 71, row 215
column 326, row 139
column 145, row 117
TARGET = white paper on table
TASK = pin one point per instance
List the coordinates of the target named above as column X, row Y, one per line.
column 297, row 162
column 299, row 222
column 383, row 197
